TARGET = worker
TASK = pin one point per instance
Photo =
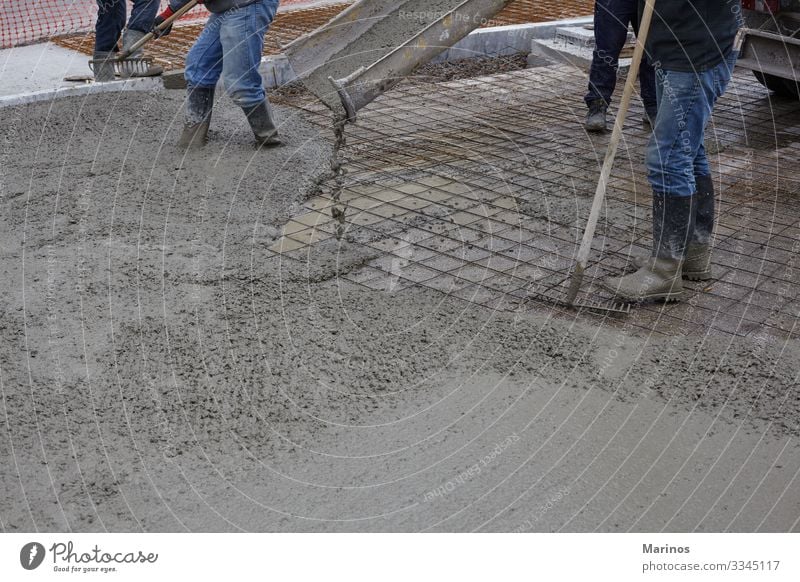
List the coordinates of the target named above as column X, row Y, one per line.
column 691, row 43
column 229, row 47
column 611, row 20
column 111, row 16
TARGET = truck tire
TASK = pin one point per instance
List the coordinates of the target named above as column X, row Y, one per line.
column 779, row 85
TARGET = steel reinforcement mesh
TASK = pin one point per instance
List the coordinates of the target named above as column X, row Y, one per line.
column 480, row 188
column 170, row 52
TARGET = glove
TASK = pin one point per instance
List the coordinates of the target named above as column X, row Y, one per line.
column 160, row 20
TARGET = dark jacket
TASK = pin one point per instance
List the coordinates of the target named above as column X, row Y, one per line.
column 214, row 5
column 692, row 35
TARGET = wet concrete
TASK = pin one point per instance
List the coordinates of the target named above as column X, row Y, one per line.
column 162, row 369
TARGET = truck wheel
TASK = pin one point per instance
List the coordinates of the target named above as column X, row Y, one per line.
column 779, row 85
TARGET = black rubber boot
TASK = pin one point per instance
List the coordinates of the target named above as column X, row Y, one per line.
column 596, row 117
column 260, row 119
column 199, row 104
column 661, row 275
column 697, row 266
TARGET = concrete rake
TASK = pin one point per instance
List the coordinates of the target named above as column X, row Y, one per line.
column 124, row 65
column 570, row 299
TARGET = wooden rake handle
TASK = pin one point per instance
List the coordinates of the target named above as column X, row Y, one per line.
column 611, row 154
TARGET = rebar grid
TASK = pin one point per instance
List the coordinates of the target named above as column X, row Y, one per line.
column 170, row 51
column 480, row 188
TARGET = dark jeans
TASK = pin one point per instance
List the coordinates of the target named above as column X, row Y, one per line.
column 611, row 19
column 111, row 15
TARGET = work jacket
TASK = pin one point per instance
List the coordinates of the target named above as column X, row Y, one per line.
column 692, row 35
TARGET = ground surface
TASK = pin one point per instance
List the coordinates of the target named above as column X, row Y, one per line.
column 164, row 366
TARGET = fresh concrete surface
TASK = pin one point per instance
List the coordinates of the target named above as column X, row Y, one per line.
column 36, row 73
column 162, row 370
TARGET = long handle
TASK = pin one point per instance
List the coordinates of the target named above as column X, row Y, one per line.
column 611, row 154
column 161, row 27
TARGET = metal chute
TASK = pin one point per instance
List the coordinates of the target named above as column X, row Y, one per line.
column 373, row 44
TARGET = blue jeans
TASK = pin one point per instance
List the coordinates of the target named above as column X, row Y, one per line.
column 676, row 154
column 111, row 15
column 611, row 19
column 230, row 47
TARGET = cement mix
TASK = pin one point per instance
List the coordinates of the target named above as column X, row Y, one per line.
column 160, row 370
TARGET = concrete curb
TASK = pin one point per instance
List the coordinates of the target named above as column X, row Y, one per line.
column 143, row 84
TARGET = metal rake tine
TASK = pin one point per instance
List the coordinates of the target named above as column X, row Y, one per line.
column 133, row 66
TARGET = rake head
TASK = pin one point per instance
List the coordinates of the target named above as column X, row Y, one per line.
column 130, row 67
column 551, row 297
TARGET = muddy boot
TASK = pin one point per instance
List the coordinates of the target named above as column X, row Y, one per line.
column 660, row 277
column 260, row 119
column 130, row 38
column 199, row 104
column 103, row 66
column 697, row 262
column 596, row 117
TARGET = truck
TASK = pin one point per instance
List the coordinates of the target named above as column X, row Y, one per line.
column 769, row 44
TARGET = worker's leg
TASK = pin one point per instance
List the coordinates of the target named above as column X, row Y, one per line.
column 204, row 60
column 610, row 32
column 698, row 253
column 242, row 38
column 143, row 15
column 141, row 22
column 611, row 19
column 675, row 156
column 684, row 106
column 203, row 70
column 109, row 25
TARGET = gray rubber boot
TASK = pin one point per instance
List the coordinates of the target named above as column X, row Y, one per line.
column 697, row 262
column 660, row 277
column 130, row 38
column 103, row 66
column 596, row 117
column 199, row 104
column 260, row 120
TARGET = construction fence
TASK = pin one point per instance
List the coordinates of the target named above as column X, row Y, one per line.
column 28, row 21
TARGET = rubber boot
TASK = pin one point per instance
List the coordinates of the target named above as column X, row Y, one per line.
column 661, row 275
column 697, row 266
column 130, row 38
column 260, row 119
column 697, row 262
column 199, row 104
column 103, row 66
column 596, row 117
